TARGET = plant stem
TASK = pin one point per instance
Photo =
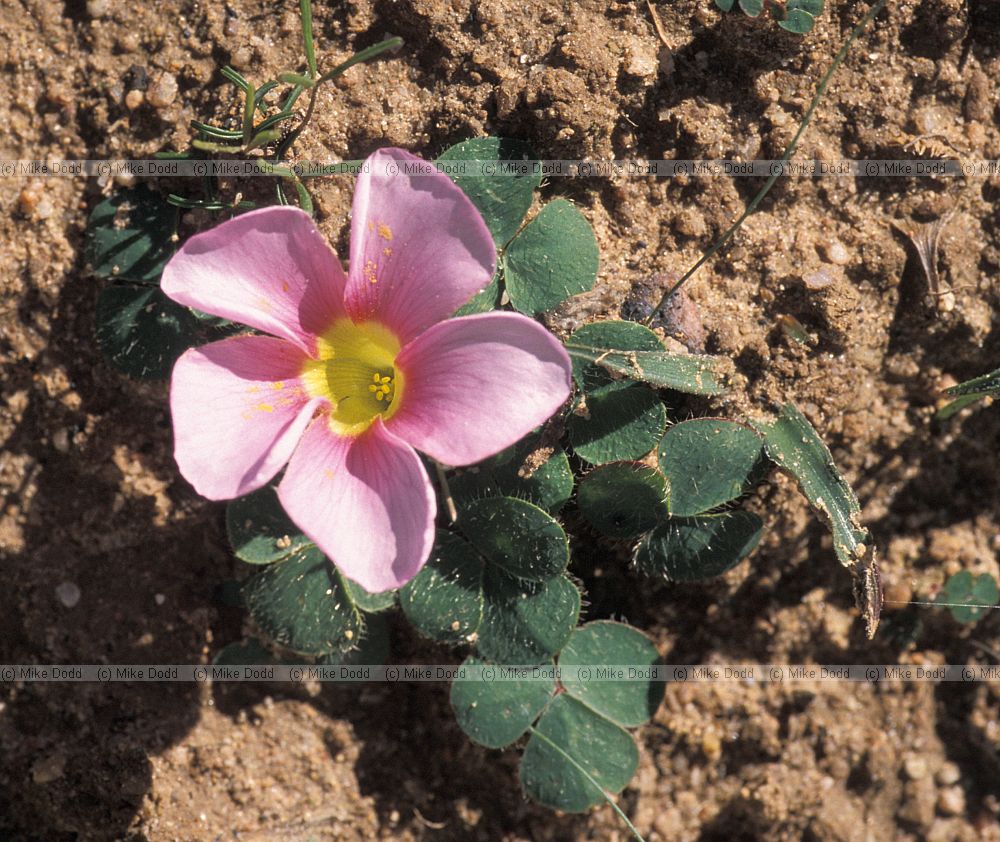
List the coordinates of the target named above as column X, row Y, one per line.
column 449, row 501
column 820, row 91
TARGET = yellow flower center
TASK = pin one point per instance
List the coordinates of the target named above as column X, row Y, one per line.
column 355, row 371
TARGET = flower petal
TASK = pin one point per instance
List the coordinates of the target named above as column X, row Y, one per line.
column 367, row 502
column 239, row 410
column 419, row 247
column 269, row 269
column 477, row 384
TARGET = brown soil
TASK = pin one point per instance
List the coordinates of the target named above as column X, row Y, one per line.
column 91, row 494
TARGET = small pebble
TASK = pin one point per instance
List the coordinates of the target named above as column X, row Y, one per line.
column 162, row 91
column 28, row 200
column 711, row 746
column 641, row 60
column 948, row 774
column 97, row 8
column 133, row 99
column 68, row 594
column 820, row 279
column 48, row 769
column 932, row 120
column 60, row 440
column 45, row 208
column 951, row 801
column 835, row 252
column 915, row 767
column 897, row 595
column 159, row 599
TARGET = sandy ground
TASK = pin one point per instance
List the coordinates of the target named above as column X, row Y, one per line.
column 91, row 494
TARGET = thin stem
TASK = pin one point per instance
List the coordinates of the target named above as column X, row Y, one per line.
column 820, row 91
column 364, row 55
column 449, row 501
column 614, row 805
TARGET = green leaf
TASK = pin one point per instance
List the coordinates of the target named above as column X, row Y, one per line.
column 692, row 548
column 526, row 622
column 300, row 603
column 630, row 352
column 725, row 5
column 549, row 486
column 388, row 45
column 305, row 13
column 752, row 7
column 555, row 256
column 709, row 462
column 621, row 335
column 131, row 235
column 445, row 601
column 516, row 536
column 986, row 385
column 368, row 601
column 370, row 648
column 813, row 7
column 575, row 757
column 628, row 696
column 458, row 597
column 797, row 21
column 496, row 713
column 623, row 421
column 969, row 597
column 259, row 530
column 142, row 331
column 249, row 651
column 502, row 198
column 623, row 499
column 793, row 444
column 483, row 301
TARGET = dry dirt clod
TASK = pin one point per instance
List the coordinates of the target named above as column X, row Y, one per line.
column 162, row 91
column 951, row 801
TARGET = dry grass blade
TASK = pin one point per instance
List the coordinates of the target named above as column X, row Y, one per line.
column 926, row 239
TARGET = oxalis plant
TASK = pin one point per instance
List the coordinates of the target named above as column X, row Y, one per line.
column 798, row 16
column 407, row 437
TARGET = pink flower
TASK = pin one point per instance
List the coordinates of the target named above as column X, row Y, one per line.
column 357, row 372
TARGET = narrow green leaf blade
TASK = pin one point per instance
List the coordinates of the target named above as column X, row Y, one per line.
column 693, row 374
column 793, row 444
column 612, row 333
